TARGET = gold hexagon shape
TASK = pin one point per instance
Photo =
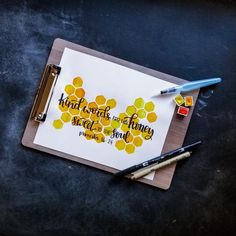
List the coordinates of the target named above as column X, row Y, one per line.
column 57, row 124
column 100, row 100
column 74, row 111
column 129, row 138
column 120, row 144
column 66, row 117
column 69, row 89
column 123, row 116
column 124, row 128
column 100, row 138
column 97, row 128
column 89, row 134
column 77, row 82
column 145, row 135
column 103, row 107
column 105, row 121
column 130, row 110
column 79, row 92
column 141, row 113
column 63, row 108
column 139, row 103
column 130, row 148
column 83, row 103
column 149, row 106
column 94, row 117
column 92, row 105
column 137, row 141
column 152, row 117
column 135, row 132
column 108, row 131
column 84, row 114
column 111, row 103
column 115, row 124
column 72, row 98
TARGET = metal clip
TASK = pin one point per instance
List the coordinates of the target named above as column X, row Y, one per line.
column 45, row 91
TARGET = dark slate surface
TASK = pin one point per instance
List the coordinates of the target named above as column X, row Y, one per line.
column 44, row 195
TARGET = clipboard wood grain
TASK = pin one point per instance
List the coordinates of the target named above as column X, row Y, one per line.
column 176, row 132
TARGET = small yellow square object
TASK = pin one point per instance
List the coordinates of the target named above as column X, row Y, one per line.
column 179, row 100
column 188, row 101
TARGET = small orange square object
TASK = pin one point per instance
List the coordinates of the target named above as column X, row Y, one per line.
column 188, row 101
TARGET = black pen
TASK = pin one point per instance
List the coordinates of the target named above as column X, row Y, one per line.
column 156, row 160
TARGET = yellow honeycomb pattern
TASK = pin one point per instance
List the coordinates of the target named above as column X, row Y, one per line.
column 93, row 114
column 136, row 137
column 74, row 92
column 102, row 126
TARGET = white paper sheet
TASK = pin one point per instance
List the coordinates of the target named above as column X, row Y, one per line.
column 101, row 77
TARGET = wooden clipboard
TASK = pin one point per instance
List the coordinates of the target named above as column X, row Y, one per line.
column 176, row 132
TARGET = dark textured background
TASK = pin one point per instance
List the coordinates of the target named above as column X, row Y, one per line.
column 44, row 195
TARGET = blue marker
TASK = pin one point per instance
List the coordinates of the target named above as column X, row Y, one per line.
column 191, row 86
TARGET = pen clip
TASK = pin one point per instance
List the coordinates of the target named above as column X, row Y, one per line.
column 44, row 93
